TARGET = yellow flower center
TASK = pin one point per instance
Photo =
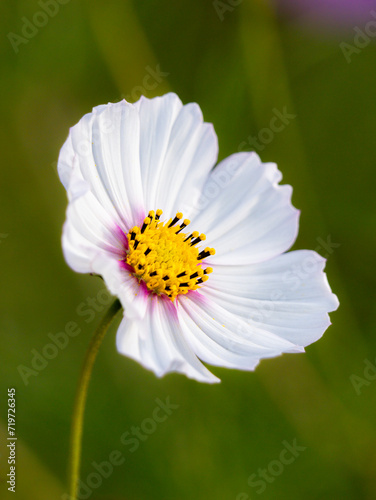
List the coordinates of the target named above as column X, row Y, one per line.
column 166, row 259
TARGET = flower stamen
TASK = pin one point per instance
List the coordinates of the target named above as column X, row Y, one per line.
column 164, row 258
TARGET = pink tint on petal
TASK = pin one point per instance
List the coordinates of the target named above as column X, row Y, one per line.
column 197, row 296
column 144, row 289
column 170, row 306
column 139, row 216
column 141, row 284
column 126, row 267
column 122, row 237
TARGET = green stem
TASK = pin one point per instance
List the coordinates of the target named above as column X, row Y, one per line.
column 81, row 395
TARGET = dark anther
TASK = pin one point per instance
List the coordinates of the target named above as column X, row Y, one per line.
column 174, row 221
column 203, row 255
column 194, row 242
column 182, row 226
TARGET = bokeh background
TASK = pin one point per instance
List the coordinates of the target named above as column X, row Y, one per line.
column 241, row 61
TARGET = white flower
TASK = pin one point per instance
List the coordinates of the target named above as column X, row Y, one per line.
column 131, row 171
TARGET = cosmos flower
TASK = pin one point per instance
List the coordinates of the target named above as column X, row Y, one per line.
column 194, row 253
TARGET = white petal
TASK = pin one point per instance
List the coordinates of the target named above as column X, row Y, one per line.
column 105, row 148
column 177, row 152
column 133, row 296
column 246, row 216
column 211, row 351
column 157, row 343
column 116, row 152
column 221, row 338
column 88, row 231
column 288, row 296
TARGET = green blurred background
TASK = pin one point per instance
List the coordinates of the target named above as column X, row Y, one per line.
column 240, row 64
